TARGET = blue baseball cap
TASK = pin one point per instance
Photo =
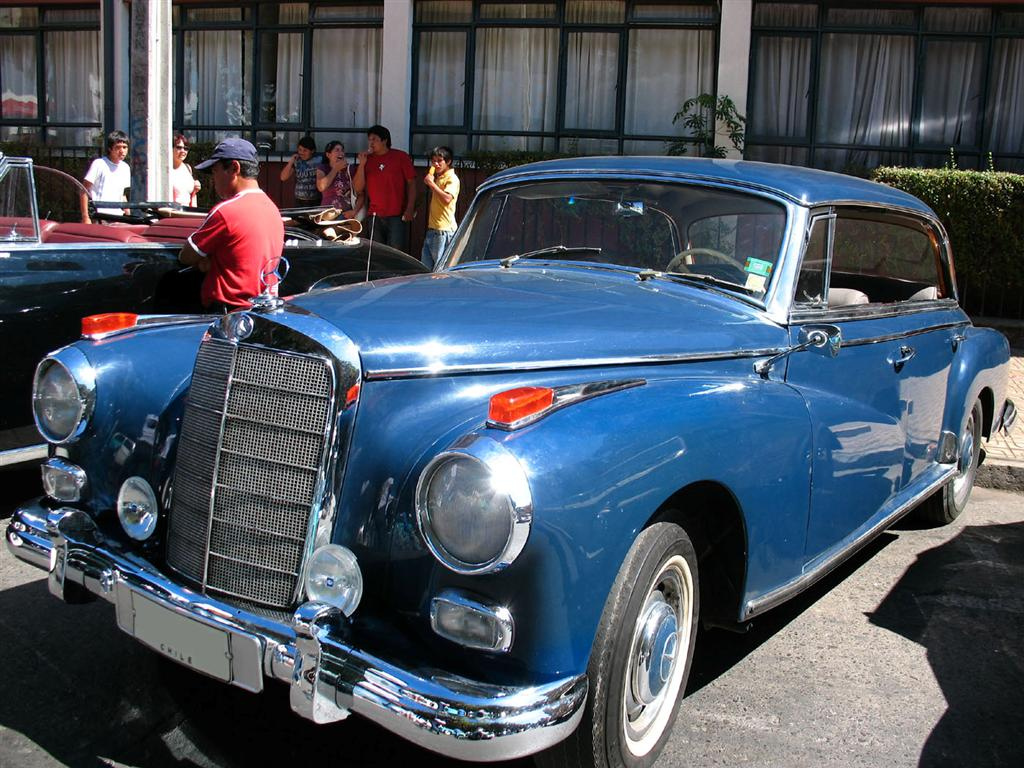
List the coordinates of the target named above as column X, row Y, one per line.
column 230, row 149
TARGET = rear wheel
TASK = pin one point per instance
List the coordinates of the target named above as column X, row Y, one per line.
column 945, row 505
column 641, row 656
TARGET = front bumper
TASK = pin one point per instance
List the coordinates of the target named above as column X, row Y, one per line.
column 328, row 677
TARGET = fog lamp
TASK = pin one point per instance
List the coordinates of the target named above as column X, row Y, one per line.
column 136, row 508
column 63, row 480
column 468, row 622
column 333, row 577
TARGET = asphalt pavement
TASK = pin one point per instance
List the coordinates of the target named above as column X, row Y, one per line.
column 908, row 655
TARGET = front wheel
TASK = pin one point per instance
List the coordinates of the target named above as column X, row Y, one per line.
column 641, row 656
column 946, row 504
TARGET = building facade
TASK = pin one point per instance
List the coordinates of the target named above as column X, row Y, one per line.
column 838, row 85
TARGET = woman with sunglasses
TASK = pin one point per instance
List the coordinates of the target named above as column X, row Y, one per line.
column 184, row 187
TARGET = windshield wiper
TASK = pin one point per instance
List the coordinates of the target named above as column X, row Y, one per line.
column 695, row 277
column 551, row 250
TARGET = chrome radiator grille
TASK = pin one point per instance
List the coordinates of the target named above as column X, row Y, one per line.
column 250, row 452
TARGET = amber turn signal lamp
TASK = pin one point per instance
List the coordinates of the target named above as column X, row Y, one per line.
column 514, row 405
column 352, row 395
column 108, row 322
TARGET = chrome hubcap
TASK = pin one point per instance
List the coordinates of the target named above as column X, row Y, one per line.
column 657, row 656
column 964, row 480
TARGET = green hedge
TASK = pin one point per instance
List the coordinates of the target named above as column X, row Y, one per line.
column 983, row 211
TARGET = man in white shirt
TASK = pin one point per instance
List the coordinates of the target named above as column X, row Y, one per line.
column 108, row 177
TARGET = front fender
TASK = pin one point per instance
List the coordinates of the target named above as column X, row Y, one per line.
column 142, row 376
column 601, row 469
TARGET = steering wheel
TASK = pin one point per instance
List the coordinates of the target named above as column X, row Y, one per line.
column 681, row 261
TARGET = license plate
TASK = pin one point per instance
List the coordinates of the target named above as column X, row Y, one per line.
column 189, row 642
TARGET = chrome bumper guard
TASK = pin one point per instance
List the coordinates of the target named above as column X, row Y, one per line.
column 329, row 678
column 1008, row 417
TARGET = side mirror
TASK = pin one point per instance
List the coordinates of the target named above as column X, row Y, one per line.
column 828, row 338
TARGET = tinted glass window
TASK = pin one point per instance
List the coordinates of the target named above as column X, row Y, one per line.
column 887, row 259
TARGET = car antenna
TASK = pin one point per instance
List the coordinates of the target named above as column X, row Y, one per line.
column 369, row 251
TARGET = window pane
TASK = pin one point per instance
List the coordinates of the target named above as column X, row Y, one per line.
column 1006, row 98
column 766, row 153
column 74, row 83
column 787, row 15
column 18, row 77
column 280, row 77
column 674, row 12
column 518, row 11
column 1011, row 21
column 592, row 66
column 19, row 17
column 781, row 86
column 666, row 67
column 346, row 77
column 441, row 11
column 869, row 17
column 951, row 92
column 284, row 13
column 588, row 146
column 370, row 11
column 515, row 88
column 62, row 16
column 957, row 19
column 441, row 91
column 217, row 14
column 218, row 77
column 810, row 285
column 595, row 11
column 865, row 92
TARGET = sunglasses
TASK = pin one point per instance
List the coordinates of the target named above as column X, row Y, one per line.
column 180, row 146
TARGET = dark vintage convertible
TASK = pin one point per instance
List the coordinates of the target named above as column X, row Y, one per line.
column 53, row 273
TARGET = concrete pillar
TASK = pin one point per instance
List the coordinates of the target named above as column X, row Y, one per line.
column 114, row 32
column 734, row 59
column 396, row 71
column 151, row 99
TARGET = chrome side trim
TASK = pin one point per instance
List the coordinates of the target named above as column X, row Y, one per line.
column 905, row 335
column 433, row 371
column 814, row 571
column 439, row 711
column 13, row 456
column 873, row 311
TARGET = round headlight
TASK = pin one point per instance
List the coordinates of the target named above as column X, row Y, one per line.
column 63, row 394
column 136, row 508
column 333, row 577
column 473, row 507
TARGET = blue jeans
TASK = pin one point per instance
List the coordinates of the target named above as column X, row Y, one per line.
column 435, row 245
column 390, row 230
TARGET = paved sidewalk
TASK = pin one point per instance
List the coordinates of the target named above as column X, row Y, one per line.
column 1008, row 450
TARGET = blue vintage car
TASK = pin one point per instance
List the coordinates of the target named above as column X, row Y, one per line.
column 487, row 507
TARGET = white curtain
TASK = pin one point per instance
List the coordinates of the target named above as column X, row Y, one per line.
column 1006, row 97
column 781, row 87
column 516, row 85
column 288, row 77
column 865, row 93
column 592, row 65
column 951, row 92
column 440, row 95
column 665, row 68
column 74, row 84
column 218, row 80
column 18, row 77
column 346, row 77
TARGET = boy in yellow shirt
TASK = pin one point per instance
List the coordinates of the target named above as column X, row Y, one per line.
column 444, row 186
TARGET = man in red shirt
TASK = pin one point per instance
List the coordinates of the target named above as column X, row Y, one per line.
column 242, row 238
column 387, row 176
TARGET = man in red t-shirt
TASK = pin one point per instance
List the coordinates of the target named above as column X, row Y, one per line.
column 242, row 238
column 389, row 181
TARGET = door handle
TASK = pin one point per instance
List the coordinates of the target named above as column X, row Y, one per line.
column 905, row 354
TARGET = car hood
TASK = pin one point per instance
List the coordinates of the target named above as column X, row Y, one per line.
column 534, row 316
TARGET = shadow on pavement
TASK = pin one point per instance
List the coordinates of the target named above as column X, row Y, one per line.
column 962, row 601
column 719, row 650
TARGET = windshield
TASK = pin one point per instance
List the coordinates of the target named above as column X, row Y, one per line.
column 16, row 220
column 730, row 237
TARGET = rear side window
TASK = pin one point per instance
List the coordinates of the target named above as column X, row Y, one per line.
column 889, row 259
